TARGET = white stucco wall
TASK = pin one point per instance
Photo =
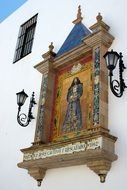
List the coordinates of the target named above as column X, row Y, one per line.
column 54, row 24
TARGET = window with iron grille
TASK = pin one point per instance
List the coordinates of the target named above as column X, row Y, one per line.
column 25, row 38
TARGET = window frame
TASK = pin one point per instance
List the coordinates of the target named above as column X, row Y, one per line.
column 25, row 38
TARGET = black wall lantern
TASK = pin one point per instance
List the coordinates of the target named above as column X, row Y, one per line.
column 22, row 118
column 111, row 58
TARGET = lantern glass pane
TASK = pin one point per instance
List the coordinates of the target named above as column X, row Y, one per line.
column 115, row 59
column 111, row 59
column 21, row 98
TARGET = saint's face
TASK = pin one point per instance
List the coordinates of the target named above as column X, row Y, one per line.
column 75, row 80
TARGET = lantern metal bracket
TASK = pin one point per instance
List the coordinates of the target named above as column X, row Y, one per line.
column 117, row 87
column 24, row 119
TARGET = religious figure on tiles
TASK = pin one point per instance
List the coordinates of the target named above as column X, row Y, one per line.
column 73, row 118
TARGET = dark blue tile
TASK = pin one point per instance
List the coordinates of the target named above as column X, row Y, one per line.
column 74, row 39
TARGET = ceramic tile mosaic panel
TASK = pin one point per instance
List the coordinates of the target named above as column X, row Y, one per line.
column 72, row 113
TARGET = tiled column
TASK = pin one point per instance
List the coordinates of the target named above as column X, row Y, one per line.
column 100, row 40
column 46, row 98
